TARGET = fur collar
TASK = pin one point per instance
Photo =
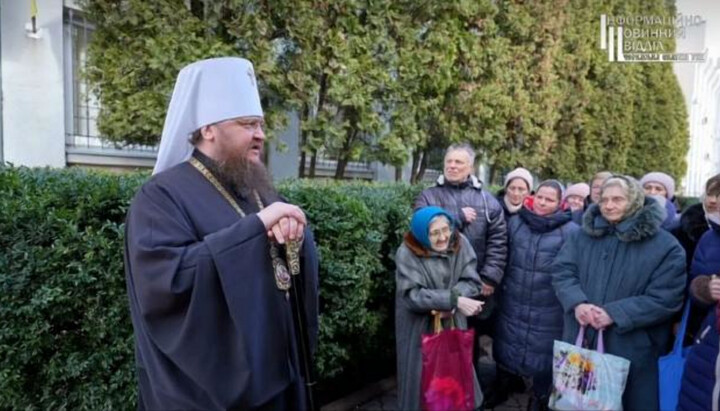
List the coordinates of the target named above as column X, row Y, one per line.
column 644, row 223
column 420, row 251
column 472, row 181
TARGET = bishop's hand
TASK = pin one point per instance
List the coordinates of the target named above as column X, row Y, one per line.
column 272, row 214
column 287, row 229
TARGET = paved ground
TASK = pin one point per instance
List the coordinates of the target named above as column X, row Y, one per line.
column 388, row 400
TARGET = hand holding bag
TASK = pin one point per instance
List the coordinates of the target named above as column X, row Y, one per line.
column 447, row 371
column 584, row 379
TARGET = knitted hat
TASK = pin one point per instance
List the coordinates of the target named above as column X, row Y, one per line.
column 660, row 178
column 519, row 173
column 580, row 189
column 420, row 223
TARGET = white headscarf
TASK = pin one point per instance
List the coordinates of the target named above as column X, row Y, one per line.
column 206, row 92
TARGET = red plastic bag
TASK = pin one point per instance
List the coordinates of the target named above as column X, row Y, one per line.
column 447, row 371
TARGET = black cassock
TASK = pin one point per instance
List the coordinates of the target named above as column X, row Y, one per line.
column 212, row 330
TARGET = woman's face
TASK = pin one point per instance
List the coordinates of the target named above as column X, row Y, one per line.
column 575, row 202
column 516, row 191
column 655, row 189
column 439, row 234
column 613, row 204
column 546, row 201
column 712, row 203
column 595, row 189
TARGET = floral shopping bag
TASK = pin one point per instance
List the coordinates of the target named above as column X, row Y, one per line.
column 447, row 371
column 584, row 379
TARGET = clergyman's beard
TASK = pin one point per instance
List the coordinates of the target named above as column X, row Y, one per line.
column 246, row 176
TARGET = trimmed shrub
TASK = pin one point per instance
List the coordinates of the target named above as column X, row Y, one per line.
column 65, row 335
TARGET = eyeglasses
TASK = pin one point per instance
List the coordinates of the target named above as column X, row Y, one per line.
column 252, row 125
column 436, row 233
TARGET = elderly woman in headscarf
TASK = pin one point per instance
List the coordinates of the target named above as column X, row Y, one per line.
column 436, row 271
column 530, row 317
column 624, row 274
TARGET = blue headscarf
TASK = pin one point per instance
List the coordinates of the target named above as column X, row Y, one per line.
column 420, row 223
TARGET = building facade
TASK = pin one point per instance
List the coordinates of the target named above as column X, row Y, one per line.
column 48, row 117
column 700, row 83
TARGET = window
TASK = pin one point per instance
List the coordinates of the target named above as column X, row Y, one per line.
column 82, row 107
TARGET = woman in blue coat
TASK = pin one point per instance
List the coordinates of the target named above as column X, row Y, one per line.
column 624, row 274
column 530, row 316
column 700, row 389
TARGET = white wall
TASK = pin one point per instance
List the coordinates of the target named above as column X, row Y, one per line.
column 32, row 85
column 700, row 83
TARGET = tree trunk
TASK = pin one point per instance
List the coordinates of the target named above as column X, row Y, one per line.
column 398, row 174
column 301, row 170
column 423, row 165
column 197, row 8
column 303, row 140
column 341, row 165
column 415, row 164
column 491, row 174
column 344, row 157
column 313, row 161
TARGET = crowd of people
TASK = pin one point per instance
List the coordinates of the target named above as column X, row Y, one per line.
column 614, row 254
column 222, row 272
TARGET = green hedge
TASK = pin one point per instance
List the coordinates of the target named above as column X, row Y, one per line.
column 66, row 336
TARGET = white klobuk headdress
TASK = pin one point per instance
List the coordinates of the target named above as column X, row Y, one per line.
column 206, row 92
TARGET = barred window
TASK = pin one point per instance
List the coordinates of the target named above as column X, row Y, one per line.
column 81, row 106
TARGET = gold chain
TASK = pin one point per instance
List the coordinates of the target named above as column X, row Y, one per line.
column 282, row 276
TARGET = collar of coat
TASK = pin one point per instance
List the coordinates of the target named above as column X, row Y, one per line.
column 644, row 223
column 472, row 181
column 713, row 225
column 420, row 251
column 547, row 223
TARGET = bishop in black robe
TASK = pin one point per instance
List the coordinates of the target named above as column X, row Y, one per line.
column 212, row 330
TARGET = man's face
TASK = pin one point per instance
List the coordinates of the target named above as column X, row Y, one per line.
column 457, row 166
column 240, row 137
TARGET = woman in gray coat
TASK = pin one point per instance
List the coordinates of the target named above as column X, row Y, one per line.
column 624, row 274
column 435, row 272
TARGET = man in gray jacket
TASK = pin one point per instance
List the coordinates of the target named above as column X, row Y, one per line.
column 478, row 213
column 481, row 220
